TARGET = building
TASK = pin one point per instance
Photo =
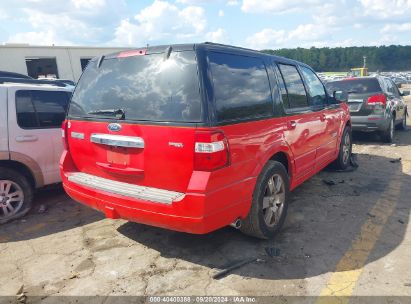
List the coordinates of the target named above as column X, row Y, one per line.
column 63, row 62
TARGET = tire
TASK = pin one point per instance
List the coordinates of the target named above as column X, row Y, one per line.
column 271, row 195
column 344, row 154
column 403, row 125
column 388, row 135
column 16, row 195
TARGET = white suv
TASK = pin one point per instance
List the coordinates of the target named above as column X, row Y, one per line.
column 31, row 113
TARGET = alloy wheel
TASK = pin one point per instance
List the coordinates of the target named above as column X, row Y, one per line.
column 346, row 148
column 11, row 198
column 273, row 200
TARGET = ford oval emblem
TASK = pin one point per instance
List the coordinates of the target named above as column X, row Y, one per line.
column 115, row 127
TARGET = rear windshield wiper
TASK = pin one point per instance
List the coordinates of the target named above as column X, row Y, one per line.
column 118, row 113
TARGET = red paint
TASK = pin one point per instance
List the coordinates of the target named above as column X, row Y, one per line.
column 217, row 186
column 132, row 53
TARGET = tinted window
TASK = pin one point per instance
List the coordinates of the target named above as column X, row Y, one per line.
column 297, row 97
column 41, row 109
column 241, row 87
column 355, row 85
column 318, row 96
column 395, row 89
column 281, row 84
column 84, row 62
column 148, row 88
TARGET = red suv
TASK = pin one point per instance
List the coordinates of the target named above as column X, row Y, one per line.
column 196, row 137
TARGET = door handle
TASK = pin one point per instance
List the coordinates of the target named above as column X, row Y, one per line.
column 26, row 138
column 292, row 124
column 323, row 117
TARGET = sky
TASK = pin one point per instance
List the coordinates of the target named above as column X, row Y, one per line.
column 258, row 24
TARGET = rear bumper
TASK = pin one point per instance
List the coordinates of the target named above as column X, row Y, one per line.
column 369, row 123
column 196, row 213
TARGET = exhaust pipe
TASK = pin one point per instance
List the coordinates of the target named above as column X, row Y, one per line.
column 236, row 224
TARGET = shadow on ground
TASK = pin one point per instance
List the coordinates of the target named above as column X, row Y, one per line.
column 61, row 213
column 322, row 222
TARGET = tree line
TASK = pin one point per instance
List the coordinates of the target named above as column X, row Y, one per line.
column 379, row 58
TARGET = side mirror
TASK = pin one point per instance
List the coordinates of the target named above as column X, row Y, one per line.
column 405, row 93
column 340, row 96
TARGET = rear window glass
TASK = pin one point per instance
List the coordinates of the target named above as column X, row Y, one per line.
column 41, row 109
column 146, row 88
column 364, row 85
column 241, row 87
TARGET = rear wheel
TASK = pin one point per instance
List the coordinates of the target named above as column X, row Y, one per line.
column 16, row 194
column 403, row 125
column 344, row 154
column 270, row 202
column 388, row 135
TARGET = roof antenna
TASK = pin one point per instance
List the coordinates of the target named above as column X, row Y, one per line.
column 100, row 61
column 167, row 53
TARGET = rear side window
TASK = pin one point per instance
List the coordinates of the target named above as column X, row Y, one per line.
column 355, row 85
column 146, row 88
column 318, row 96
column 241, row 87
column 297, row 97
column 41, row 109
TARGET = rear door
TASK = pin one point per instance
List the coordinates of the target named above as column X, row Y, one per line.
column 4, row 144
column 133, row 118
column 304, row 128
column 329, row 118
column 35, row 117
column 395, row 97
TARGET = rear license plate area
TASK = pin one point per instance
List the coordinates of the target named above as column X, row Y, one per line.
column 118, row 156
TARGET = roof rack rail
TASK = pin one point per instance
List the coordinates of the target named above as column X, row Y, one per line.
column 56, row 83
column 231, row 46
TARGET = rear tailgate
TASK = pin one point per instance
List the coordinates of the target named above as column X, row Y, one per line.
column 164, row 160
column 133, row 116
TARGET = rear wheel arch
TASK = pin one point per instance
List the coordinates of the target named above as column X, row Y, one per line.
column 284, row 159
column 20, row 168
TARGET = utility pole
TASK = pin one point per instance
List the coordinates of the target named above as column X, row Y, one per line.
column 365, row 61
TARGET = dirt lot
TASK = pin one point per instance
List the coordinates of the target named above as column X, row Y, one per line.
column 351, row 238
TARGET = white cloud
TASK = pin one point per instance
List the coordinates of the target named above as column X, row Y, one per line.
column 218, row 36
column 395, row 28
column 71, row 21
column 233, row 2
column 278, row 6
column 220, row 13
column 161, row 21
column 267, row 38
column 88, row 4
column 386, row 9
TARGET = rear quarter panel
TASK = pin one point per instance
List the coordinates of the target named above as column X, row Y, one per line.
column 251, row 145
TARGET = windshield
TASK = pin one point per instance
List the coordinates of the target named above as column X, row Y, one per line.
column 357, row 85
column 148, row 87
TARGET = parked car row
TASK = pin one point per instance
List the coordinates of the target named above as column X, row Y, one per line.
column 187, row 137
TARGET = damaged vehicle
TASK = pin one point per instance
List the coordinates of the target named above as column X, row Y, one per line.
column 196, row 137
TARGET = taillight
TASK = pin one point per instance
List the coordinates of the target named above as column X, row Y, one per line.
column 64, row 134
column 379, row 99
column 211, row 151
